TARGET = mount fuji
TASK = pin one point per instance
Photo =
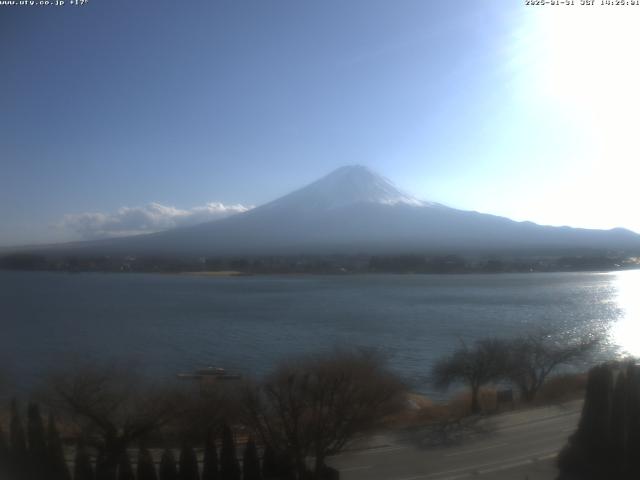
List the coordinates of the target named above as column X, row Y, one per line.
column 354, row 210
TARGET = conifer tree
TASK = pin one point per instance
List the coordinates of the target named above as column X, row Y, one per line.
column 146, row 468
column 616, row 451
column 286, row 468
column 83, row 470
column 168, row 469
column 188, row 463
column 5, row 455
column 125, row 470
column 104, row 470
column 584, row 453
column 269, row 463
column 605, row 446
column 633, row 406
column 250, row 462
column 210, row 461
column 55, row 453
column 17, row 443
column 229, row 468
column 36, row 440
column 593, row 424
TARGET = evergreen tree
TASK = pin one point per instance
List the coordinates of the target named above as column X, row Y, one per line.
column 583, row 456
column 616, row 454
column 633, row 419
column 5, row 455
column 250, row 462
column 55, row 453
column 125, row 470
column 36, row 439
column 229, row 468
column 168, row 470
column 83, row 470
column 210, row 461
column 104, row 470
column 188, row 464
column 269, row 463
column 17, row 443
column 593, row 426
column 146, row 468
column 286, row 467
column 607, row 441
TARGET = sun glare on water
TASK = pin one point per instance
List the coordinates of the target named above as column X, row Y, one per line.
column 581, row 63
column 626, row 331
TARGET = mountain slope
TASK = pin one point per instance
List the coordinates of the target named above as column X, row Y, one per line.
column 353, row 210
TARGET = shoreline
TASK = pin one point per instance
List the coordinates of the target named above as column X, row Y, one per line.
column 211, row 273
column 422, row 410
column 236, row 273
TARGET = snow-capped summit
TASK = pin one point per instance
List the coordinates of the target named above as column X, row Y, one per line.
column 345, row 186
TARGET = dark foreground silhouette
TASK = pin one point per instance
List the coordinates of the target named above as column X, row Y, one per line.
column 117, row 425
column 607, row 442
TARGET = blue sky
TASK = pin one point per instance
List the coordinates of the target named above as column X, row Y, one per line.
column 166, row 107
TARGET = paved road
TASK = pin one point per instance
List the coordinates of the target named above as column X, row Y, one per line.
column 517, row 445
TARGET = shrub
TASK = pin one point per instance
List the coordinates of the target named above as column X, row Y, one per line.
column 250, row 462
column 229, row 468
column 168, row 470
column 56, row 460
column 83, row 469
column 210, row 461
column 188, row 464
column 146, row 468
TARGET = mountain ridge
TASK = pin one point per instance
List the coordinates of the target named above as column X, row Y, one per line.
column 355, row 210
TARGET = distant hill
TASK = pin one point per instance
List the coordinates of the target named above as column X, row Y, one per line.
column 354, row 210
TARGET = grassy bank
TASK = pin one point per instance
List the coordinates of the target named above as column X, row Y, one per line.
column 422, row 411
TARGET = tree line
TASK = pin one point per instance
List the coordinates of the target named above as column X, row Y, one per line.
column 37, row 453
column 321, row 264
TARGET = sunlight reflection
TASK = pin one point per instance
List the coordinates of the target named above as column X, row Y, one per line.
column 626, row 331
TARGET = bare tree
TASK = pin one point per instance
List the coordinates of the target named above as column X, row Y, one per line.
column 314, row 406
column 205, row 407
column 534, row 356
column 112, row 404
column 475, row 366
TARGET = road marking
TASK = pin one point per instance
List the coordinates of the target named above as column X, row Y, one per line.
column 506, row 466
column 473, row 450
column 528, row 423
column 509, row 466
column 463, row 472
column 380, row 450
column 353, row 469
column 476, row 469
column 547, row 457
column 543, row 412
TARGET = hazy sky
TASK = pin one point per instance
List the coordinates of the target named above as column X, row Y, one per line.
column 186, row 110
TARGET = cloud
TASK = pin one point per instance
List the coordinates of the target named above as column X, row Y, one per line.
column 149, row 218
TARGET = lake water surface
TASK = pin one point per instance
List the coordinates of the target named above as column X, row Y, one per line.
column 174, row 323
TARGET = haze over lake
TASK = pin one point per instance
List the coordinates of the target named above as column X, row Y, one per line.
column 175, row 323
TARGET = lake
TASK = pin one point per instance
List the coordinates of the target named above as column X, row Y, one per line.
column 175, row 323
